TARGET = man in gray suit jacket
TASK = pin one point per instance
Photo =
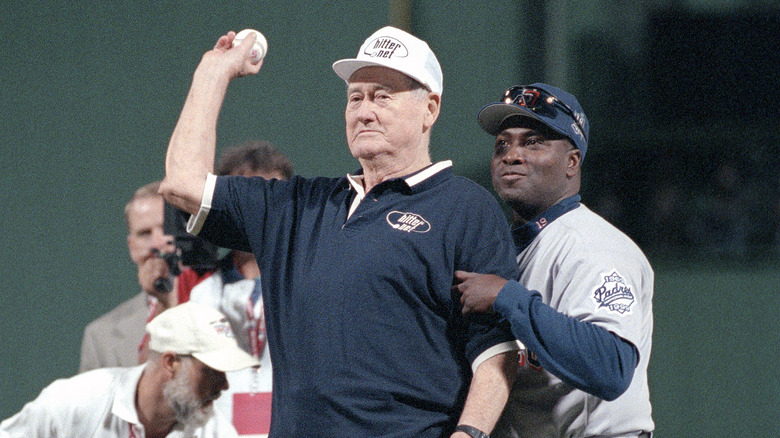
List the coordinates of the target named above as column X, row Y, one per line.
column 112, row 340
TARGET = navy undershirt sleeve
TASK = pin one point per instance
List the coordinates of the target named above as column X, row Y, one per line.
column 584, row 355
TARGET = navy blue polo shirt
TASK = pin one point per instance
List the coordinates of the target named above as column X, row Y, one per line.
column 366, row 337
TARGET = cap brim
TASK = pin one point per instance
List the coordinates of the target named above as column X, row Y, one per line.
column 492, row 116
column 345, row 68
column 227, row 359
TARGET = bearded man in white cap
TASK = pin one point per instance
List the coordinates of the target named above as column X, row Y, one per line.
column 171, row 395
column 364, row 334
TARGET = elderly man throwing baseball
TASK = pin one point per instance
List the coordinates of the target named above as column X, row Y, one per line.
column 365, row 336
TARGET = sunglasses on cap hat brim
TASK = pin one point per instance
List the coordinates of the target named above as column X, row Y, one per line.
column 536, row 101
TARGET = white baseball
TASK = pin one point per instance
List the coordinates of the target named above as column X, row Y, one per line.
column 260, row 47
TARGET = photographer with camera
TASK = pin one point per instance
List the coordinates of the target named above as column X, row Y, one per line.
column 112, row 339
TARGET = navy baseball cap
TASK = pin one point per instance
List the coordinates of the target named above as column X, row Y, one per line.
column 555, row 108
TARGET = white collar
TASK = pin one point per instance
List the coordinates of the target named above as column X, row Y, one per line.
column 124, row 398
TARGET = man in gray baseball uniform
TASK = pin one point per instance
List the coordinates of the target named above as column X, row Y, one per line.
column 582, row 306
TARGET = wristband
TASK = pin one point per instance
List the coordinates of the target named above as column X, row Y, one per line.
column 472, row 431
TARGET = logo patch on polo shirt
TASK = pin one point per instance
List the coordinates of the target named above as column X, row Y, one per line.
column 408, row 222
column 614, row 294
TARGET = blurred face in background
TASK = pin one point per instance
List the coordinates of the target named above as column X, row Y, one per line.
column 145, row 218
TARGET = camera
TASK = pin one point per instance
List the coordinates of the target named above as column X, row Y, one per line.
column 191, row 251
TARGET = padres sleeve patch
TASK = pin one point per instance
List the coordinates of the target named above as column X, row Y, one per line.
column 614, row 294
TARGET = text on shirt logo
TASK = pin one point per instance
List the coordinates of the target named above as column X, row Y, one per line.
column 408, row 222
column 614, row 294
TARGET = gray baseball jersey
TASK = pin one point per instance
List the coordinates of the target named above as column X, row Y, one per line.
column 587, row 269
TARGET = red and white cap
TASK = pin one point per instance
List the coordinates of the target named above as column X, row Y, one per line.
column 398, row 50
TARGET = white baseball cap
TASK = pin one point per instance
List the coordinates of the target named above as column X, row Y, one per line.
column 200, row 331
column 393, row 48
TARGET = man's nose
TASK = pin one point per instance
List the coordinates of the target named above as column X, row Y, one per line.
column 163, row 242
column 513, row 155
column 365, row 112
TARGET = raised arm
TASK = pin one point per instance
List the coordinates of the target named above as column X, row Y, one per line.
column 192, row 147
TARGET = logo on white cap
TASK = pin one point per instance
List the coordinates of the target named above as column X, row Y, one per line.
column 222, row 327
column 386, row 47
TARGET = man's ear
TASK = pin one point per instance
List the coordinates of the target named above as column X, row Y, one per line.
column 170, row 362
column 574, row 160
column 434, row 107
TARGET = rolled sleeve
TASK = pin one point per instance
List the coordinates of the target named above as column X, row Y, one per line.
column 195, row 223
column 493, row 351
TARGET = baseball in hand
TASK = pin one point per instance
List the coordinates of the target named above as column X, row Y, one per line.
column 258, row 50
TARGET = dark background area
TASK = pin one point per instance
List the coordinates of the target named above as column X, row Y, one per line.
column 682, row 99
